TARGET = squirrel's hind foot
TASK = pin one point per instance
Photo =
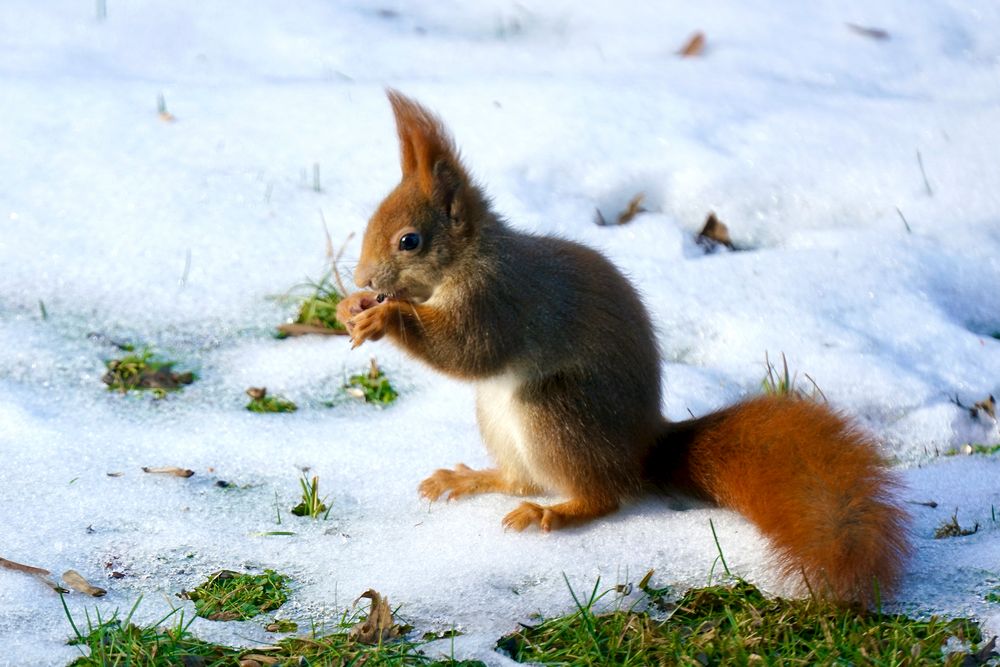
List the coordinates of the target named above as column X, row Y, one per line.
column 570, row 513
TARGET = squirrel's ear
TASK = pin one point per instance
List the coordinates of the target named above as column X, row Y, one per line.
column 451, row 191
column 423, row 141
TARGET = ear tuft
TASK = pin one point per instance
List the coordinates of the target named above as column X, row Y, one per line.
column 423, row 140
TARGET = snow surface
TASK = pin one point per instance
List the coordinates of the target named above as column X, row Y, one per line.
column 802, row 135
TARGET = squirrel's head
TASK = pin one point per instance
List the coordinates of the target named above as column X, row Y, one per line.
column 428, row 222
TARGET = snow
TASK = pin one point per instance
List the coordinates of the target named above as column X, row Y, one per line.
column 802, row 136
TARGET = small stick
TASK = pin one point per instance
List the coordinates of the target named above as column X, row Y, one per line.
column 294, row 329
column 903, row 218
column 920, row 161
column 187, row 268
column 168, row 470
column 335, row 258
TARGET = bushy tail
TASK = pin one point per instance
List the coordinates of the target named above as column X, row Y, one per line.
column 812, row 483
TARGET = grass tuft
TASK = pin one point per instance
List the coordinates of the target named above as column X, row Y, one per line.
column 311, row 505
column 318, row 307
column 231, row 596
column 950, row 528
column 117, row 642
column 317, row 311
column 142, row 370
column 261, row 401
column 373, row 386
column 736, row 624
column 783, row 383
column 974, row 448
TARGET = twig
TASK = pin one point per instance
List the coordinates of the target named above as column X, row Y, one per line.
column 334, row 258
column 920, row 161
column 187, row 268
column 903, row 218
column 295, row 329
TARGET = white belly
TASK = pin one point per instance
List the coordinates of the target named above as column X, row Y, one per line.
column 506, row 431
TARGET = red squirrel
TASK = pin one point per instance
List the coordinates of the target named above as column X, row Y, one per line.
column 567, row 372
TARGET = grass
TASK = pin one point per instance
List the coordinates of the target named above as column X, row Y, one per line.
column 231, row 596
column 373, row 386
column 142, row 370
column 782, row 383
column 715, row 625
column 319, row 307
column 974, row 448
column 317, row 311
column 117, row 642
column 950, row 528
column 736, row 624
column 311, row 505
column 261, row 401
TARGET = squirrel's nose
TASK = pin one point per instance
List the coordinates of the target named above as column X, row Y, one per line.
column 363, row 276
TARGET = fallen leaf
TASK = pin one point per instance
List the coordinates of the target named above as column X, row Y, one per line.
column 714, row 234
column 378, row 626
column 41, row 574
column 257, row 392
column 224, row 616
column 632, row 209
column 76, row 581
column 987, row 405
column 695, row 46
column 865, row 31
column 259, row 659
column 115, row 474
column 169, row 470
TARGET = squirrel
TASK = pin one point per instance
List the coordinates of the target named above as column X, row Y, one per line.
column 566, row 366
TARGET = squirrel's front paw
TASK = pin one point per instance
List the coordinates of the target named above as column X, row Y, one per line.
column 352, row 304
column 369, row 324
column 364, row 317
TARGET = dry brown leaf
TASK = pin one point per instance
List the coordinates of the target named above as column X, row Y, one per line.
column 258, row 659
column 379, row 626
column 632, row 209
column 695, row 46
column 169, row 470
column 987, row 405
column 865, row 31
column 713, row 234
column 225, row 616
column 41, row 574
column 76, row 581
column 257, row 392
column 293, row 329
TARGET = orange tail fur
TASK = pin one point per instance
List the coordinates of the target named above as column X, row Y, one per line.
column 812, row 483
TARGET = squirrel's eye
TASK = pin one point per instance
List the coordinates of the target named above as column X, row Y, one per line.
column 409, row 241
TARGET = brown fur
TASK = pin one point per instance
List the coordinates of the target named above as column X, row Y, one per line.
column 567, row 370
